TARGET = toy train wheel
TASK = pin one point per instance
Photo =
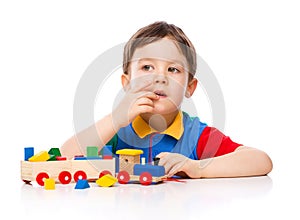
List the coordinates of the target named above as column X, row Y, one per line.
column 41, row 177
column 123, row 177
column 80, row 175
column 104, row 172
column 145, row 178
column 65, row 177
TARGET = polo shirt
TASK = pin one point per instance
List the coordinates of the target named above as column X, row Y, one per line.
column 186, row 135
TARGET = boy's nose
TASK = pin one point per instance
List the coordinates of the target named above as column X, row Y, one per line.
column 160, row 79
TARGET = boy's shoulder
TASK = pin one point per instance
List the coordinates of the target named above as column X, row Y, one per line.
column 192, row 124
column 188, row 119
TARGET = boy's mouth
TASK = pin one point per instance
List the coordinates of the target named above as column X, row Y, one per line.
column 160, row 93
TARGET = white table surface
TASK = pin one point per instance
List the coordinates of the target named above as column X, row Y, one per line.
column 227, row 198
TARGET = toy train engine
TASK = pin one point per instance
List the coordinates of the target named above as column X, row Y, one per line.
column 131, row 169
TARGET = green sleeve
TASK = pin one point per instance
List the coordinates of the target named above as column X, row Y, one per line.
column 113, row 142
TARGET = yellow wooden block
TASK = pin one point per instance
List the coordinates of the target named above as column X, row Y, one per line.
column 106, row 180
column 41, row 156
column 49, row 184
column 131, row 152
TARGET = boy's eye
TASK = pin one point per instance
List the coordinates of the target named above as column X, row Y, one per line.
column 173, row 70
column 147, row 67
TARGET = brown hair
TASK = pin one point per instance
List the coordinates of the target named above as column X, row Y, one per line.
column 155, row 32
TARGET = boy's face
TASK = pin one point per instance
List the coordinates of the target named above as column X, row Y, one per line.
column 163, row 64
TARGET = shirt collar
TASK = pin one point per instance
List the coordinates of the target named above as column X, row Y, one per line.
column 142, row 129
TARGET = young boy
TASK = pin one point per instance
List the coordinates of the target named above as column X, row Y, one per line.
column 159, row 66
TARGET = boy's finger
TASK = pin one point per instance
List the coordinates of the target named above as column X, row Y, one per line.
column 162, row 154
column 150, row 95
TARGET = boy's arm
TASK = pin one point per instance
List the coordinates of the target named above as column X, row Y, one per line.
column 244, row 161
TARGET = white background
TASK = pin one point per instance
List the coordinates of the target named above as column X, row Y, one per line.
column 251, row 46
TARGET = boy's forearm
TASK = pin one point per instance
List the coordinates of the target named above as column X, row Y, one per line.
column 244, row 161
column 96, row 135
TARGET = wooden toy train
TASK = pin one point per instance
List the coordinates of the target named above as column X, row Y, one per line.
column 127, row 168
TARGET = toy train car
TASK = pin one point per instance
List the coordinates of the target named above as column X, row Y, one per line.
column 64, row 171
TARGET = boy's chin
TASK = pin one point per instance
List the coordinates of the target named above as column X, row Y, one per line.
column 164, row 109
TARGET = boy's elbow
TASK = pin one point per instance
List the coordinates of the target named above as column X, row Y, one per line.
column 266, row 164
column 261, row 164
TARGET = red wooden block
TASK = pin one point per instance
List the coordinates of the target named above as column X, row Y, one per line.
column 61, row 158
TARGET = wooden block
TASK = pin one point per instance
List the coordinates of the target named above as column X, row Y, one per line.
column 82, row 184
column 61, row 158
column 52, row 157
column 106, row 180
column 28, row 152
column 54, row 151
column 41, row 156
column 49, row 184
column 92, row 151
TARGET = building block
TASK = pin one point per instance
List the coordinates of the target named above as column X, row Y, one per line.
column 92, row 151
column 55, row 152
column 41, row 156
column 52, row 157
column 49, row 184
column 28, row 152
column 138, row 169
column 61, row 158
column 82, row 184
column 106, row 151
column 106, row 180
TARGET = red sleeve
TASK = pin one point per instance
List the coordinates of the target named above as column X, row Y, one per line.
column 213, row 143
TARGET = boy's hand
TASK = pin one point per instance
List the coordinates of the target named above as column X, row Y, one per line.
column 136, row 101
column 174, row 163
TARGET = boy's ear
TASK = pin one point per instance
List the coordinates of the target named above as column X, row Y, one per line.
column 125, row 81
column 192, row 85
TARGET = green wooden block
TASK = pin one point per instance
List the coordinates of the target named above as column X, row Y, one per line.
column 55, row 152
column 92, row 151
column 52, row 157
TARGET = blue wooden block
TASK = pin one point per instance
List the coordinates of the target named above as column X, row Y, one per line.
column 82, row 184
column 28, row 152
column 106, row 150
column 138, row 169
column 79, row 158
column 93, row 158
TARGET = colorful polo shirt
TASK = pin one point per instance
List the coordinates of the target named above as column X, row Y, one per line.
column 186, row 135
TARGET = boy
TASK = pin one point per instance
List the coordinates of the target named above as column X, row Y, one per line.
column 159, row 64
